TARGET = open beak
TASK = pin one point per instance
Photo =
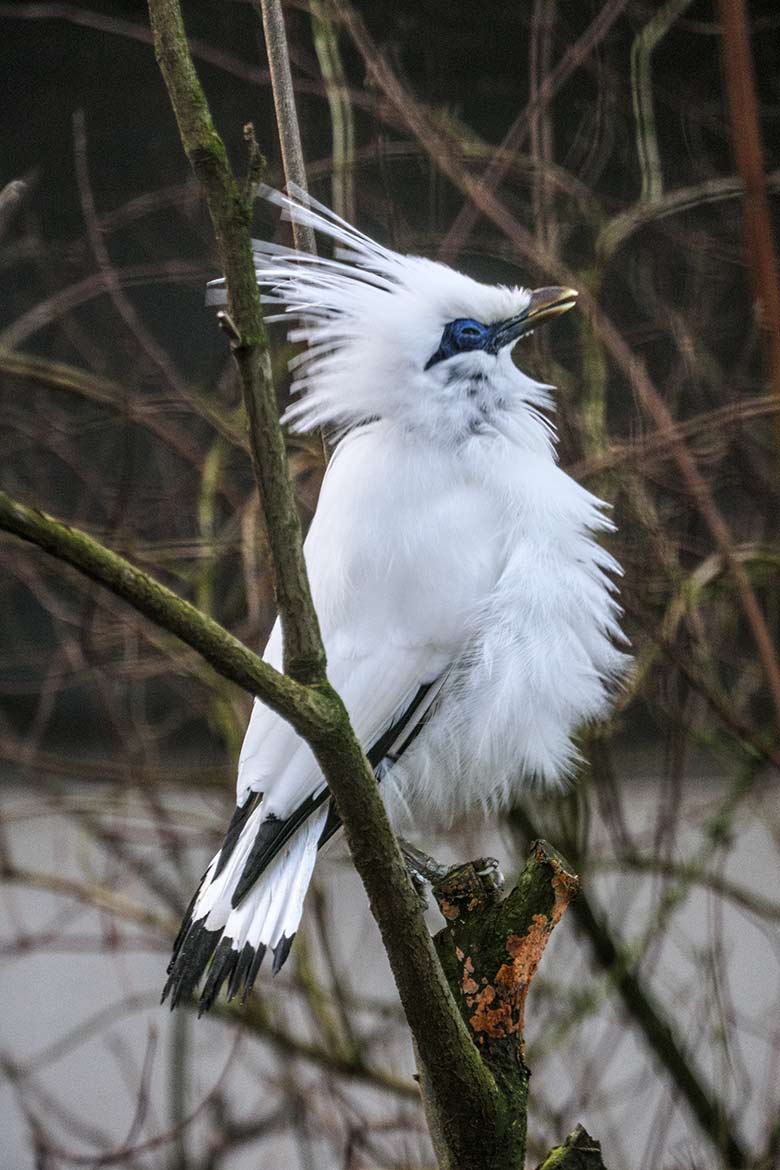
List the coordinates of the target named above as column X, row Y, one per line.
column 545, row 304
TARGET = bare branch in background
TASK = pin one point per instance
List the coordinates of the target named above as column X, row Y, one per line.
column 286, row 113
column 746, row 143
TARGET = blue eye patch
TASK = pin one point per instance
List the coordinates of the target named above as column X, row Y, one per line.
column 461, row 336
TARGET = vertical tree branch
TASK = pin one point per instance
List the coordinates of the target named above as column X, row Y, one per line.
column 649, row 1015
column 464, row 1089
column 748, row 150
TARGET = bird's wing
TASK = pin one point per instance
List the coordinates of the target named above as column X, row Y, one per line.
column 376, row 688
column 398, row 553
column 392, row 584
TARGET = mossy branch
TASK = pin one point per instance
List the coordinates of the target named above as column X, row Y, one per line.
column 649, row 1015
column 464, row 1086
column 579, row 1152
column 300, row 706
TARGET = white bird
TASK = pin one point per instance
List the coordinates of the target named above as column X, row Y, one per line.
column 468, row 613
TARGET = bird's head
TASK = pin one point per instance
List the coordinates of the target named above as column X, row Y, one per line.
column 402, row 337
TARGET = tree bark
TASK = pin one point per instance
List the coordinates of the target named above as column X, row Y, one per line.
column 579, row 1152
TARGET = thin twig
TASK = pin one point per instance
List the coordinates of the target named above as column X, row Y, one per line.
column 12, row 196
column 342, row 118
column 286, row 113
column 467, row 217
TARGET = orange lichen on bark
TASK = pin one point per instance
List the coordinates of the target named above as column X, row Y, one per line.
column 496, row 1006
column 499, row 1006
column 565, row 885
column 470, row 986
column 489, row 1020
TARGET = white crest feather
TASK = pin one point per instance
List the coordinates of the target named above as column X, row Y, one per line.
column 364, row 309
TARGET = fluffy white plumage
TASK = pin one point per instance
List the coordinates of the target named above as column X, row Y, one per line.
column 448, row 548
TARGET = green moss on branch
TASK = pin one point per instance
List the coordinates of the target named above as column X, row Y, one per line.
column 579, row 1152
column 490, row 951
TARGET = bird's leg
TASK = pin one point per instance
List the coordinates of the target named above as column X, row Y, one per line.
column 421, row 866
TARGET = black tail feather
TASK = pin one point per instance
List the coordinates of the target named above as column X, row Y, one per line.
column 222, row 966
column 257, row 962
column 241, row 815
column 281, row 951
column 241, row 970
column 191, row 961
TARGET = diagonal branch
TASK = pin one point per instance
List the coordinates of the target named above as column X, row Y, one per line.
column 466, row 1091
column 228, row 656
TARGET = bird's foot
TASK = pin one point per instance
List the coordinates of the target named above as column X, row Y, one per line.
column 481, row 877
column 422, row 869
column 421, row 866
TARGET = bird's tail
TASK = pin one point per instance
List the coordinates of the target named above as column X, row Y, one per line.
column 228, row 928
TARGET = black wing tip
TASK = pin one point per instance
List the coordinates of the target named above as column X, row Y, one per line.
column 281, row 951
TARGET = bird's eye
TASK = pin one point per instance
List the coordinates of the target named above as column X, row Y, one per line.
column 460, row 336
column 466, row 331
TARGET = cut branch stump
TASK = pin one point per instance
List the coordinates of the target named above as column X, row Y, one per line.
column 490, row 950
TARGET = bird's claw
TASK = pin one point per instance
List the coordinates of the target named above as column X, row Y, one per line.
column 421, row 866
column 424, row 871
